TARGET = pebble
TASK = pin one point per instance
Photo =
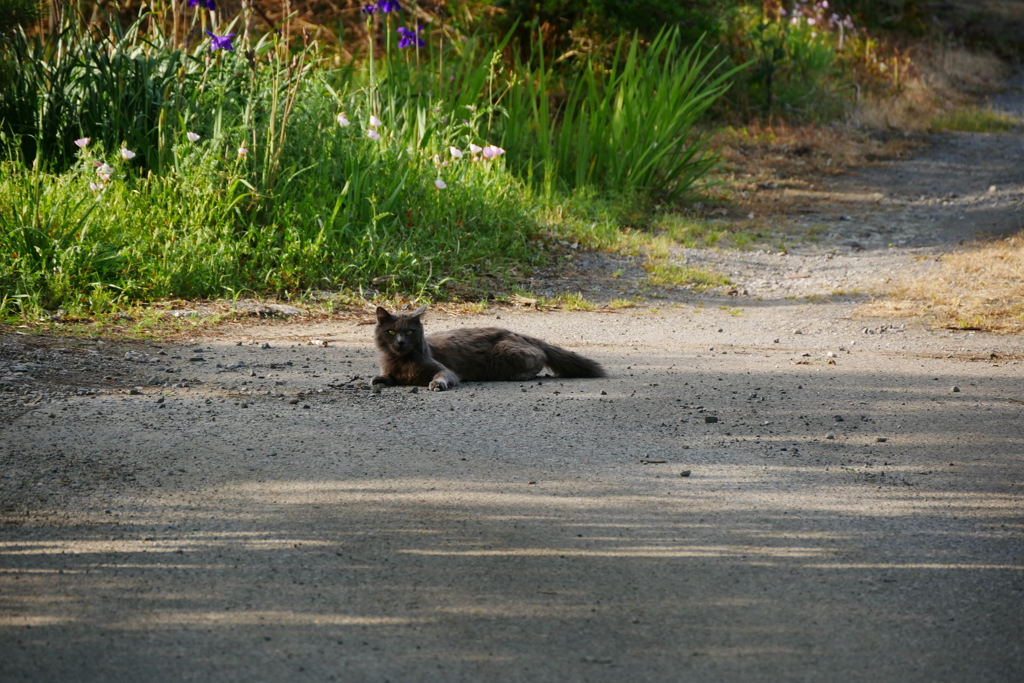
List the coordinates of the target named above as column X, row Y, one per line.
column 830, row 435
column 710, row 419
column 684, row 473
column 265, row 345
column 881, row 439
column 955, row 389
column 414, row 390
column 293, row 401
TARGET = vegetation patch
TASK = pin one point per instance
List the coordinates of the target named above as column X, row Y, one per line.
column 980, row 287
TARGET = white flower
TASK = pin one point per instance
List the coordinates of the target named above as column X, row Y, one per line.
column 192, row 137
column 375, row 122
column 127, row 154
column 104, row 169
column 82, row 143
column 456, row 152
column 343, row 121
column 373, row 134
column 242, row 151
column 439, row 184
column 95, row 187
column 470, row 107
column 492, row 152
column 474, row 149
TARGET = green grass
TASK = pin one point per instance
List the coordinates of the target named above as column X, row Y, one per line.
column 663, row 272
column 311, row 204
column 975, row 120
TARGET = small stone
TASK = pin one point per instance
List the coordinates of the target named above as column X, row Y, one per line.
column 245, row 405
column 831, row 354
column 955, row 389
column 838, row 418
column 194, row 359
column 710, row 419
column 160, row 400
column 375, row 388
column 798, row 331
column 414, row 390
column 775, row 341
column 135, row 391
column 265, row 345
column 684, row 473
column 293, row 401
column 881, row 439
column 830, row 435
column 305, row 406
column 604, row 393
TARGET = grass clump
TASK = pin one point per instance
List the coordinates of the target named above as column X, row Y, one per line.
column 665, row 273
column 974, row 120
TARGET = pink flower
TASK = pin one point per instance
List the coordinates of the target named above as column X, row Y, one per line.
column 456, row 152
column 343, row 121
column 492, row 152
column 440, row 184
column 242, row 151
column 192, row 137
column 474, row 149
column 375, row 122
column 373, row 134
column 127, row 154
column 82, row 143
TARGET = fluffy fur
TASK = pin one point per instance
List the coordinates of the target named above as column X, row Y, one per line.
column 478, row 354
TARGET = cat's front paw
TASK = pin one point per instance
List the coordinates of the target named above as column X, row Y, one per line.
column 439, row 385
column 382, row 379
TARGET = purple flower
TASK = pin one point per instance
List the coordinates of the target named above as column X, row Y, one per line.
column 208, row 4
column 220, row 42
column 369, row 9
column 409, row 38
column 387, row 6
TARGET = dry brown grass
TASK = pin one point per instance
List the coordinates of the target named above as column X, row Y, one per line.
column 943, row 79
column 980, row 287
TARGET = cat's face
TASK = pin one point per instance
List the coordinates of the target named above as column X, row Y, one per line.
column 399, row 334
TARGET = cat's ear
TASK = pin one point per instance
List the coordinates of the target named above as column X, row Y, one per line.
column 419, row 311
column 382, row 315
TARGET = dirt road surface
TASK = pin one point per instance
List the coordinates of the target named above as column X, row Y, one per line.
column 766, row 487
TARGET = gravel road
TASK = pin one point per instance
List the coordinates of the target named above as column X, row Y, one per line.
column 766, row 487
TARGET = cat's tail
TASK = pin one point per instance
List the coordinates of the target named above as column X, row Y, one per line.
column 565, row 363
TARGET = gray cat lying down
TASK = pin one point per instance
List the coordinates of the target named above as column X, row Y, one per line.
column 471, row 354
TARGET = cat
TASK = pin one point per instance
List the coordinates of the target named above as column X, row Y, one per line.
column 473, row 354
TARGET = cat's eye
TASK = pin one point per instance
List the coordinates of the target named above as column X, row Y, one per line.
column 391, row 332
